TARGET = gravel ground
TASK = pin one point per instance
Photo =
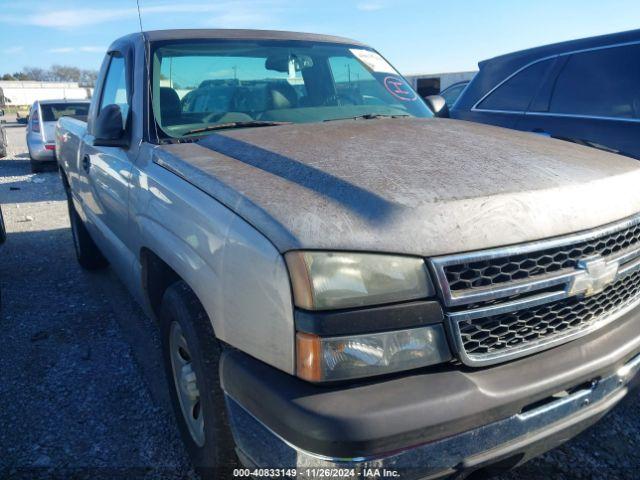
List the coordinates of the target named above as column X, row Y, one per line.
column 82, row 392
column 81, row 384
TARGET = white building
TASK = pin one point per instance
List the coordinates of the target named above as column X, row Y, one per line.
column 25, row 93
column 434, row 83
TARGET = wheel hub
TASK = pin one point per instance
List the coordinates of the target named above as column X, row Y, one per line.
column 186, row 384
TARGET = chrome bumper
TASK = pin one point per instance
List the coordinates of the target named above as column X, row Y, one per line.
column 261, row 448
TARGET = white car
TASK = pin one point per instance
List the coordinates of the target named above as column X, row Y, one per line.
column 41, row 127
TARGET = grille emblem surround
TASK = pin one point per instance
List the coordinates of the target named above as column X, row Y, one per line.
column 508, row 302
column 595, row 274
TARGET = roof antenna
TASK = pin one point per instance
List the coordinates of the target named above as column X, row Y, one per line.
column 139, row 16
column 148, row 67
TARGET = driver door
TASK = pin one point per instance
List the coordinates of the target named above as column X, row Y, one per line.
column 108, row 171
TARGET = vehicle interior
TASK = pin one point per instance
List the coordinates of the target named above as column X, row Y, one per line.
column 52, row 112
column 200, row 85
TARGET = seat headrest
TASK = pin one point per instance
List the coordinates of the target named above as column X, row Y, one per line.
column 282, row 95
column 170, row 106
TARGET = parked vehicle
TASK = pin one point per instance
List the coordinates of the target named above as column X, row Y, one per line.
column 452, row 92
column 22, row 116
column 434, row 83
column 43, row 116
column 3, row 102
column 3, row 238
column 585, row 91
column 342, row 280
column 3, row 138
column 3, row 142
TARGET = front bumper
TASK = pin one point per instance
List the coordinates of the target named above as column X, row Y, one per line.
column 430, row 424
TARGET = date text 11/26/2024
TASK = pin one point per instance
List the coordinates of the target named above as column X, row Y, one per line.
column 319, row 473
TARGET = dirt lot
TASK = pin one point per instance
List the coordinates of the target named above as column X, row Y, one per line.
column 82, row 393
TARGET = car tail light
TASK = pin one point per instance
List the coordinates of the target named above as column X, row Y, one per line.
column 35, row 122
column 49, row 147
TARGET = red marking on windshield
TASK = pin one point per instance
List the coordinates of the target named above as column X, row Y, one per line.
column 399, row 89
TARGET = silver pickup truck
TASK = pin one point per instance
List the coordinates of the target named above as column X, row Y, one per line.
column 343, row 281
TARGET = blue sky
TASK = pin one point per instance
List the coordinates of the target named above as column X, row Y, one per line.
column 417, row 36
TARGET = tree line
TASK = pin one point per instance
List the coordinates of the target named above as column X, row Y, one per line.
column 55, row 73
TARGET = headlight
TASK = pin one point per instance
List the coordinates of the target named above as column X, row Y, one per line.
column 342, row 358
column 331, row 280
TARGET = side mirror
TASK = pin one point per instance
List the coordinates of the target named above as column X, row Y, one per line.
column 109, row 128
column 1, row 113
column 438, row 105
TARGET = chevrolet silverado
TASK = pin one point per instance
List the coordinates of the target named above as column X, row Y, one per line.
column 344, row 284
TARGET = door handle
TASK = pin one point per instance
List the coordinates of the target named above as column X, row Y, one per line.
column 86, row 163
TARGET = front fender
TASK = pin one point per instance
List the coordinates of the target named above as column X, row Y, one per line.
column 236, row 272
column 183, row 259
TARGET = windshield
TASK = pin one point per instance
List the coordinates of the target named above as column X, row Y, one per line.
column 196, row 85
column 52, row 112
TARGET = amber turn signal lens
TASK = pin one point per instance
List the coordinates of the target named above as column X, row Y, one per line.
column 322, row 359
column 309, row 361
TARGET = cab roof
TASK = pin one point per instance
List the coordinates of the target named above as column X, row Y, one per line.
column 231, row 34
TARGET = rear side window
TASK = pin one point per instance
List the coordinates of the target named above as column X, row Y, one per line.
column 52, row 112
column 603, row 83
column 516, row 93
column 114, row 91
column 451, row 94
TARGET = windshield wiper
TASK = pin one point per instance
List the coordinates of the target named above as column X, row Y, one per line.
column 369, row 116
column 223, row 126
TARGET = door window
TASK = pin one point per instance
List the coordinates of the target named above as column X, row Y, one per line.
column 603, row 83
column 451, row 94
column 515, row 94
column 115, row 90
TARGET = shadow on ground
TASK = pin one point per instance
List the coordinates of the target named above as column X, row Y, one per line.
column 75, row 403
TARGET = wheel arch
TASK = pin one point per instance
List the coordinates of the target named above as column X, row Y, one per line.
column 157, row 276
column 164, row 259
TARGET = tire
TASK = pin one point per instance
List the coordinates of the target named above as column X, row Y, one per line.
column 87, row 252
column 211, row 447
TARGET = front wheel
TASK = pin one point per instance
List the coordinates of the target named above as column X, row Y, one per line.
column 191, row 358
column 87, row 252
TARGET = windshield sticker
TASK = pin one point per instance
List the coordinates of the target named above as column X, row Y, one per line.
column 400, row 89
column 372, row 61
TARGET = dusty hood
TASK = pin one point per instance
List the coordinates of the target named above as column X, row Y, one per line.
column 424, row 187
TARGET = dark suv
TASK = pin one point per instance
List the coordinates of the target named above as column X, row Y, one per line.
column 586, row 91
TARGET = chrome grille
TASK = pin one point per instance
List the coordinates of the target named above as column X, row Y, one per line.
column 493, row 271
column 551, row 292
column 502, row 333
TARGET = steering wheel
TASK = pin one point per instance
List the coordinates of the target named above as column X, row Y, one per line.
column 339, row 99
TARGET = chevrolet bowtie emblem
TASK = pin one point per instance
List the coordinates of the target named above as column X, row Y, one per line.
column 594, row 275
